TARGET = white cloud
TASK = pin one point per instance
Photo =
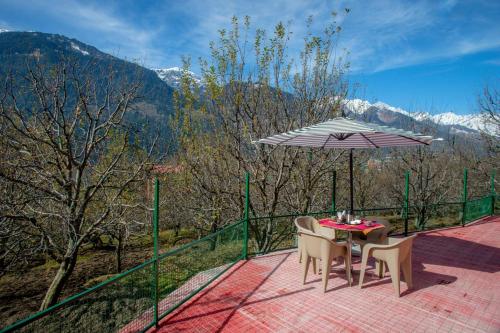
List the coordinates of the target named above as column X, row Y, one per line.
column 383, row 35
column 203, row 20
column 5, row 26
column 380, row 35
column 103, row 26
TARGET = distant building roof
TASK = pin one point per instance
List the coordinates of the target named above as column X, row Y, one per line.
column 161, row 169
column 374, row 163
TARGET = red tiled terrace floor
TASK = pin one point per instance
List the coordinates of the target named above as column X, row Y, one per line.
column 457, row 289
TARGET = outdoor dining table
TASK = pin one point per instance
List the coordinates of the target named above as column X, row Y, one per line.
column 350, row 228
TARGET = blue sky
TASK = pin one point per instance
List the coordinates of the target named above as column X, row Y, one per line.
column 419, row 55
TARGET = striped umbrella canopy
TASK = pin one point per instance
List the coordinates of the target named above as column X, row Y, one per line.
column 349, row 134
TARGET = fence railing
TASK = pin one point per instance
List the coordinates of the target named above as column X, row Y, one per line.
column 275, row 233
column 475, row 209
column 126, row 302
column 137, row 299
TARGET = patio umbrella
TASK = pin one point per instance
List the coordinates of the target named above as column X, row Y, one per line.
column 349, row 134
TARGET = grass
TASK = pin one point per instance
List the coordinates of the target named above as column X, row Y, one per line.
column 167, row 238
column 51, row 264
column 47, row 266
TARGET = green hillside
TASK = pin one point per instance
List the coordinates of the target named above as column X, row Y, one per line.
column 19, row 49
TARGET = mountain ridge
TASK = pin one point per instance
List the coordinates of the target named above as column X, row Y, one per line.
column 463, row 124
column 156, row 97
column 173, row 75
column 160, row 83
column 467, row 123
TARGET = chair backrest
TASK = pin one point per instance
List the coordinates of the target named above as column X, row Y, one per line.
column 311, row 224
column 380, row 233
column 403, row 244
column 305, row 223
column 318, row 246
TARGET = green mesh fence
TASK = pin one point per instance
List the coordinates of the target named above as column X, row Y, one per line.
column 108, row 307
column 393, row 215
column 126, row 302
column 185, row 271
column 436, row 216
column 425, row 217
column 274, row 233
column 475, row 209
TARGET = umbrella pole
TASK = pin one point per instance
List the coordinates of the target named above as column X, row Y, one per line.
column 351, row 180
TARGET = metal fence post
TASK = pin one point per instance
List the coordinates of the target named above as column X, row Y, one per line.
column 464, row 199
column 407, row 200
column 156, row 212
column 334, row 190
column 246, row 217
column 493, row 193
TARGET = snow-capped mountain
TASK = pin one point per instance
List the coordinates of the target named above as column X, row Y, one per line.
column 457, row 123
column 378, row 112
column 172, row 76
column 359, row 106
column 3, row 30
column 77, row 48
column 474, row 121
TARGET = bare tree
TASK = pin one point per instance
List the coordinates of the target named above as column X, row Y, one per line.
column 489, row 105
column 56, row 124
column 252, row 90
column 434, row 176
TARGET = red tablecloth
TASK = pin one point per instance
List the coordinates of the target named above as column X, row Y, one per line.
column 329, row 223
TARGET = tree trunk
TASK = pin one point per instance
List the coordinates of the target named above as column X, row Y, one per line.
column 268, row 233
column 57, row 285
column 119, row 251
column 213, row 241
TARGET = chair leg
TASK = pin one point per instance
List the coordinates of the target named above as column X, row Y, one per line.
column 305, row 266
column 380, row 268
column 326, row 267
column 393, row 266
column 315, row 267
column 364, row 262
column 407, row 272
column 348, row 271
column 299, row 249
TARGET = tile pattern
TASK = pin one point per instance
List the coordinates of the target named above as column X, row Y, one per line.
column 457, row 289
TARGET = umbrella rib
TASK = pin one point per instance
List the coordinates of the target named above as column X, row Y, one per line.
column 410, row 138
column 370, row 141
column 326, row 141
